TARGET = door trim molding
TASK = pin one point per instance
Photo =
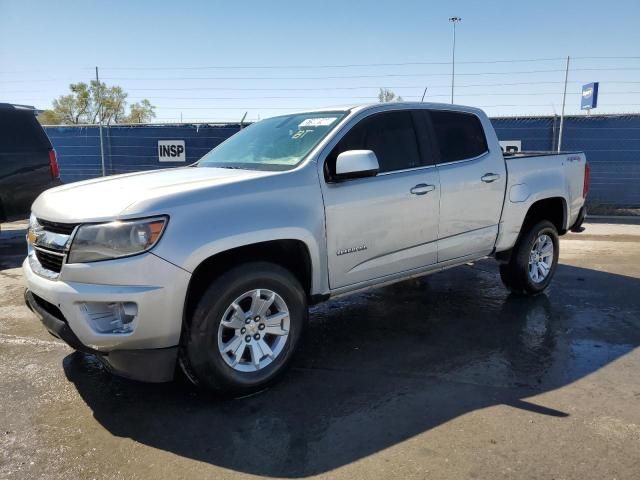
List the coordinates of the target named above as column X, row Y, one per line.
column 405, row 275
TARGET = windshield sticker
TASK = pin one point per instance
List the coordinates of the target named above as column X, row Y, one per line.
column 300, row 134
column 318, row 122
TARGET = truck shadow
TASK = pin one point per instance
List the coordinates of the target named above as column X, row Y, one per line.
column 379, row 368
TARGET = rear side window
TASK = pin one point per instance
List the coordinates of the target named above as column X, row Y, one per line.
column 460, row 135
column 390, row 135
column 21, row 132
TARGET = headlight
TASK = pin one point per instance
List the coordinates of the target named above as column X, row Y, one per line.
column 105, row 241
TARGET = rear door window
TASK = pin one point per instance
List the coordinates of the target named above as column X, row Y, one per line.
column 460, row 136
column 390, row 135
column 21, row 132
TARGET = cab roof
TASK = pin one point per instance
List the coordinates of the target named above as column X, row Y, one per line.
column 367, row 106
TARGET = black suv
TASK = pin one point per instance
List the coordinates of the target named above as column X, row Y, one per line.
column 28, row 163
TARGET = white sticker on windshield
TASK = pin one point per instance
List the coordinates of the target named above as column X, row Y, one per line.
column 318, row 122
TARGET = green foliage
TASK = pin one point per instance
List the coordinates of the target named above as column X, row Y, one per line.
column 95, row 103
column 49, row 117
column 387, row 95
column 141, row 112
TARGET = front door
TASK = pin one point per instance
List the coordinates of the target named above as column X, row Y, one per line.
column 387, row 224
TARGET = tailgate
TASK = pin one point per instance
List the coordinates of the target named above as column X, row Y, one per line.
column 574, row 165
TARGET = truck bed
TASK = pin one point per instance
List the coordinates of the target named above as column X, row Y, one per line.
column 550, row 175
column 536, row 153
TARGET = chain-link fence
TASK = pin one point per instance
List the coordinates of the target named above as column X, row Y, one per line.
column 129, row 148
column 611, row 143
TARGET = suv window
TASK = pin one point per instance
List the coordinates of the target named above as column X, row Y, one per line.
column 459, row 135
column 21, row 132
column 390, row 135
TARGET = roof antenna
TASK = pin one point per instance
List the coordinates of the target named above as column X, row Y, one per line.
column 423, row 94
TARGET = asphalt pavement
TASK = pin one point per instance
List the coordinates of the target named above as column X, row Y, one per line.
column 445, row 377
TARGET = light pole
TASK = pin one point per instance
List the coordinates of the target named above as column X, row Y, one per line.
column 564, row 100
column 453, row 20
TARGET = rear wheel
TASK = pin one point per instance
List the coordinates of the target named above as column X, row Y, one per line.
column 533, row 260
column 245, row 329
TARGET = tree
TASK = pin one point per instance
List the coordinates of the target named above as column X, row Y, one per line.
column 387, row 95
column 49, row 117
column 108, row 103
column 141, row 112
column 73, row 108
column 95, row 103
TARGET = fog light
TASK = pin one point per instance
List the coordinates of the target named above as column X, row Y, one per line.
column 110, row 317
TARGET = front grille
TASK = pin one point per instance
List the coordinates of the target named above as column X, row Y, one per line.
column 49, row 259
column 55, row 227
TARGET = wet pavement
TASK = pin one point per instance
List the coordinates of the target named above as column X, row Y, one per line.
column 443, row 377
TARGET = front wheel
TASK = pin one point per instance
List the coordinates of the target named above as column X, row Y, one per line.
column 533, row 261
column 245, row 329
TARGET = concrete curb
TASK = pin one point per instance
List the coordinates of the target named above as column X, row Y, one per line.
column 622, row 219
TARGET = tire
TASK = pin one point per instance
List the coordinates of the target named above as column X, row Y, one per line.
column 518, row 275
column 202, row 355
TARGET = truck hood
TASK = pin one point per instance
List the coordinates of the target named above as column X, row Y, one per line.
column 109, row 197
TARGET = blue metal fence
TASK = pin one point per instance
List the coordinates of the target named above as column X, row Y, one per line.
column 128, row 148
column 612, row 145
column 535, row 133
column 610, row 142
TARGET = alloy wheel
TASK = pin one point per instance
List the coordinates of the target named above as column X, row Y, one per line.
column 541, row 258
column 254, row 330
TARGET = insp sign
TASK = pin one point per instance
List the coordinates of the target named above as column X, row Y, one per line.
column 511, row 146
column 171, row 151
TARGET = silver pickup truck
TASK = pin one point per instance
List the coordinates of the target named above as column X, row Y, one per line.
column 212, row 267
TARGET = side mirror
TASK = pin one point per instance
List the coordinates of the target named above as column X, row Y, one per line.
column 356, row 164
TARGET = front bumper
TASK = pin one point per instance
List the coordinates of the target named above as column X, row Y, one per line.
column 157, row 287
column 54, row 321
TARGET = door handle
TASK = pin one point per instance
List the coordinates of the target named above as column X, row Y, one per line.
column 422, row 189
column 490, row 177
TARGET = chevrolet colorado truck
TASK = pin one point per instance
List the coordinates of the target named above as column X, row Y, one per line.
column 210, row 268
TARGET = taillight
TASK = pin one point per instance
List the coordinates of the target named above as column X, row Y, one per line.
column 587, row 179
column 53, row 164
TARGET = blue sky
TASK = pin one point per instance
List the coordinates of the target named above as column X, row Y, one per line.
column 192, row 58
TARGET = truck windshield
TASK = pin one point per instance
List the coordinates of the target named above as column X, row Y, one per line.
column 278, row 143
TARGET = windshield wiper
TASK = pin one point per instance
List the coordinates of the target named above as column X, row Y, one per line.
column 230, row 167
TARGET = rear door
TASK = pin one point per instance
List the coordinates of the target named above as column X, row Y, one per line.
column 24, row 161
column 382, row 225
column 472, row 183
